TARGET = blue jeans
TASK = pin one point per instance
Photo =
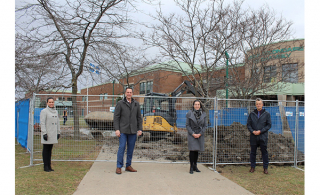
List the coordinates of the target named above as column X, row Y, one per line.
column 130, row 140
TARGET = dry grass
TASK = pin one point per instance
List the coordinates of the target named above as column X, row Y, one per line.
column 33, row 180
column 280, row 180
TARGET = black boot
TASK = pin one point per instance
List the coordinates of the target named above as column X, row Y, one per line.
column 50, row 168
column 195, row 168
column 46, row 169
column 191, row 168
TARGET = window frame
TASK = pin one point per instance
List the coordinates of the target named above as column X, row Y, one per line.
column 268, row 75
column 292, row 76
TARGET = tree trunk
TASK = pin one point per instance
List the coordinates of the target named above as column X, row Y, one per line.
column 75, row 109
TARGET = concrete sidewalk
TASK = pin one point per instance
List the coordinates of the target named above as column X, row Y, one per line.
column 154, row 178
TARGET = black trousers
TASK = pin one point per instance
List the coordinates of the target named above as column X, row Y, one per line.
column 264, row 153
column 65, row 120
column 193, row 156
column 46, row 154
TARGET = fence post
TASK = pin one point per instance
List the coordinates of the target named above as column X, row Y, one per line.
column 296, row 134
column 215, row 115
column 31, row 118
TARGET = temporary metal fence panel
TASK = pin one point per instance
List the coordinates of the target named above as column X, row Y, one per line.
column 161, row 146
column 89, row 130
column 78, row 141
column 233, row 146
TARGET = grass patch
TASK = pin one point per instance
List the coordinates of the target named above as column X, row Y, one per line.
column 280, row 180
column 69, row 149
column 70, row 122
column 33, row 180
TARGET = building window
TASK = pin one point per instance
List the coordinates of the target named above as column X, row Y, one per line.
column 149, row 86
column 69, row 99
column 270, row 74
column 142, row 88
column 146, row 87
column 84, row 98
column 61, row 98
column 290, row 73
column 105, row 95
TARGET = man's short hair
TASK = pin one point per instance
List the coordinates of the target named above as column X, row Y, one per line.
column 259, row 99
column 129, row 88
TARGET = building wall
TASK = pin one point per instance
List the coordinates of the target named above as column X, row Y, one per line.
column 287, row 52
column 278, row 54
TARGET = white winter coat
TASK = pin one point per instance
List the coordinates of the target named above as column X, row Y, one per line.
column 50, row 125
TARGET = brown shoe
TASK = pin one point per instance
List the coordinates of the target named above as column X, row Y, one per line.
column 118, row 171
column 251, row 170
column 265, row 171
column 130, row 169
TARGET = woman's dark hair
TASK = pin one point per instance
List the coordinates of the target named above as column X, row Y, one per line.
column 195, row 102
column 49, row 99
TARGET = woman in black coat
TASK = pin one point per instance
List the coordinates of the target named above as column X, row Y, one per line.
column 196, row 125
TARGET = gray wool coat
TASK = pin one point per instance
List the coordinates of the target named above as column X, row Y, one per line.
column 50, row 125
column 127, row 118
column 194, row 126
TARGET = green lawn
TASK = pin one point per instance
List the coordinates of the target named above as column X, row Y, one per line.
column 33, row 180
column 280, row 180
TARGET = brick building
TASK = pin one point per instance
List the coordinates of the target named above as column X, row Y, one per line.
column 166, row 77
column 281, row 67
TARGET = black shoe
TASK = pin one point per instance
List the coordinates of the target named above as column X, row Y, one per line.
column 50, row 168
column 191, row 170
column 46, row 169
column 195, row 168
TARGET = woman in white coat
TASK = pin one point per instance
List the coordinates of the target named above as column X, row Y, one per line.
column 50, row 132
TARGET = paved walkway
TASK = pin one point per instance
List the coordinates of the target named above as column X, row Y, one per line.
column 155, row 178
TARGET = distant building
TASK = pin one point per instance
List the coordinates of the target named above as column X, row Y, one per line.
column 281, row 65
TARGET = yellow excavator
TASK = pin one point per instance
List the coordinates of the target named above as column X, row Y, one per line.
column 159, row 112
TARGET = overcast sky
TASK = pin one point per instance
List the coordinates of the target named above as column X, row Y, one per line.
column 291, row 10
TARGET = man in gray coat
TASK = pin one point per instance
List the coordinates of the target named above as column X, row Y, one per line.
column 127, row 123
column 259, row 123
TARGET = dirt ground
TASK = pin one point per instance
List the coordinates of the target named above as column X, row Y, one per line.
column 233, row 145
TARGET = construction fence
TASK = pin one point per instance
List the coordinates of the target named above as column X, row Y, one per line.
column 88, row 133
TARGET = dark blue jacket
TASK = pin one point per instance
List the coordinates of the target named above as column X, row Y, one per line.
column 263, row 124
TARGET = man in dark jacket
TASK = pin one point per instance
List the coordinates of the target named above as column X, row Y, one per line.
column 259, row 122
column 127, row 123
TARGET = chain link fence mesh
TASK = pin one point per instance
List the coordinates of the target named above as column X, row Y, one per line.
column 89, row 130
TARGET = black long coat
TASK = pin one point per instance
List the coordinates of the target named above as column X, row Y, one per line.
column 127, row 118
column 197, row 127
column 263, row 124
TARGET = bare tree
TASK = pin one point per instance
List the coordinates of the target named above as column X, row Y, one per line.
column 34, row 72
column 262, row 33
column 72, row 29
column 120, row 62
column 198, row 37
column 202, row 34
